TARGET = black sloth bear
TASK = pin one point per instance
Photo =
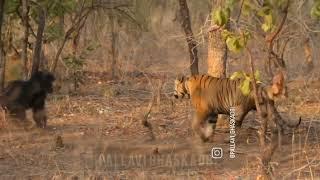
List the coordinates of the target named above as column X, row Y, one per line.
column 20, row 96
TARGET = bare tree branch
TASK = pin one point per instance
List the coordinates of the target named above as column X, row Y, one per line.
column 279, row 62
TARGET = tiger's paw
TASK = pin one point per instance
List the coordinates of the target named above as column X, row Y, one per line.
column 207, row 139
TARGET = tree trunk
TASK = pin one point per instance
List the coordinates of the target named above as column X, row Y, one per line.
column 43, row 57
column 217, row 50
column 192, row 44
column 24, row 53
column 217, row 58
column 217, row 55
column 36, row 60
column 2, row 58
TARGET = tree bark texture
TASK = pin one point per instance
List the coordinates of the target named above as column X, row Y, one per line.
column 36, row 60
column 192, row 44
column 24, row 53
column 217, row 55
column 217, row 49
column 2, row 57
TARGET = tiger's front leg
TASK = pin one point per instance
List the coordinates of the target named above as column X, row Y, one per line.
column 211, row 124
column 202, row 127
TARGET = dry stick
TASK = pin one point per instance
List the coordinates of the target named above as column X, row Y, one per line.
column 266, row 151
column 299, row 158
column 307, row 136
column 2, row 118
column 240, row 11
column 284, row 47
column 304, row 150
column 302, row 167
column 145, row 121
column 293, row 155
column 256, row 100
column 160, row 84
column 310, row 169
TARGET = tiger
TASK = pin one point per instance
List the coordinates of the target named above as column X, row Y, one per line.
column 211, row 96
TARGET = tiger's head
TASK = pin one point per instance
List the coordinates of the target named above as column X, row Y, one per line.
column 181, row 87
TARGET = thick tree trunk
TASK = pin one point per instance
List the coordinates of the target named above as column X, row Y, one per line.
column 217, row 55
column 192, row 44
column 2, row 58
column 217, row 50
column 24, row 53
column 36, row 60
column 217, row 58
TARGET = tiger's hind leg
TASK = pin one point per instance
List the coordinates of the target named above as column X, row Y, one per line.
column 237, row 114
column 236, row 117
